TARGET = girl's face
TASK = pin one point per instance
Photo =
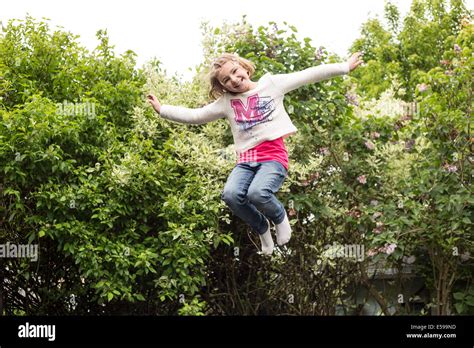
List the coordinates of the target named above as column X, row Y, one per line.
column 234, row 78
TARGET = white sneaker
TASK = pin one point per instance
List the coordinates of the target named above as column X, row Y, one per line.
column 267, row 241
column 283, row 231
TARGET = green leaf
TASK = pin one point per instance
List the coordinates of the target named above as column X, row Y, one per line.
column 31, row 238
column 470, row 301
column 459, row 308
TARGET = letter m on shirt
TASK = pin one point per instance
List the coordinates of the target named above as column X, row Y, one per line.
column 246, row 113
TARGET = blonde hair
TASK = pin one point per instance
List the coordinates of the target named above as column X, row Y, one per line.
column 217, row 89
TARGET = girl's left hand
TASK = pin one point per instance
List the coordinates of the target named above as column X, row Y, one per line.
column 355, row 60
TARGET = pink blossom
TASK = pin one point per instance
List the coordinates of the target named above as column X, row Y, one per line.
column 370, row 145
column 324, row 151
column 457, row 48
column 445, row 62
column 355, row 213
column 375, row 135
column 312, row 178
column 362, row 179
column 378, row 227
column 372, row 252
column 377, row 230
column 422, row 87
column 389, row 248
column 450, row 168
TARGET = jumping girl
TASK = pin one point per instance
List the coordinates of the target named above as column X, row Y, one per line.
column 259, row 124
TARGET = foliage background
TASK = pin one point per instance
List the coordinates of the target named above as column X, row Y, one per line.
column 126, row 208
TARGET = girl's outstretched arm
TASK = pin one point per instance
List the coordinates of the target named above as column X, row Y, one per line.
column 291, row 81
column 181, row 114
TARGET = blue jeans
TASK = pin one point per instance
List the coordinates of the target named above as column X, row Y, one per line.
column 250, row 193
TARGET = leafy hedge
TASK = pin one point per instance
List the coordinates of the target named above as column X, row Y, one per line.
column 126, row 206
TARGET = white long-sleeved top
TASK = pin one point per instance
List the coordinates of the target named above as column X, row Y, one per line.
column 257, row 115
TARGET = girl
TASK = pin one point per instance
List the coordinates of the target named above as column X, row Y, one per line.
column 259, row 123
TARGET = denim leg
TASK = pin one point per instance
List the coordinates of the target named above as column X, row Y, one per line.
column 235, row 196
column 261, row 192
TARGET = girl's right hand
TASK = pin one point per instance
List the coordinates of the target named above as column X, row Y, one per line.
column 154, row 102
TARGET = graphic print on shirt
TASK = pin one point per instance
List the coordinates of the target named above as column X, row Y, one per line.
column 258, row 110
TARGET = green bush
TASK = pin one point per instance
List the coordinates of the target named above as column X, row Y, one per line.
column 126, row 208
column 94, row 178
